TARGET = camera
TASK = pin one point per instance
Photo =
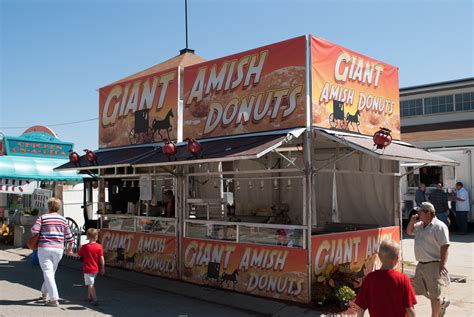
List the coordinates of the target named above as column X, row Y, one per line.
column 413, row 211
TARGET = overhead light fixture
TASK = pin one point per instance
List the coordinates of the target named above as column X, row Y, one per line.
column 170, row 149
column 194, row 147
column 74, row 158
column 91, row 156
column 382, row 138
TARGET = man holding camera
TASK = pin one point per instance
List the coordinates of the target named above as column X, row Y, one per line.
column 431, row 252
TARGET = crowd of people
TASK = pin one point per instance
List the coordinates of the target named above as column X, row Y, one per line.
column 439, row 198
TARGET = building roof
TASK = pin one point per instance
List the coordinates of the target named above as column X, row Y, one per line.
column 219, row 149
column 458, row 83
column 182, row 60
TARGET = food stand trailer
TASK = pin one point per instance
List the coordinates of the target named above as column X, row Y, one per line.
column 27, row 178
column 283, row 180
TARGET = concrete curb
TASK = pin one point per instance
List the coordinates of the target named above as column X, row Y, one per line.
column 253, row 304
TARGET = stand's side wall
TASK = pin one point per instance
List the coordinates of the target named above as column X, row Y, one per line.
column 355, row 251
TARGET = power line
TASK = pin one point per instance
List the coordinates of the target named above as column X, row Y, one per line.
column 54, row 125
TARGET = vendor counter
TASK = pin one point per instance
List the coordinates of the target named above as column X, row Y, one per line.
column 341, row 227
column 293, row 236
column 156, row 225
column 261, row 259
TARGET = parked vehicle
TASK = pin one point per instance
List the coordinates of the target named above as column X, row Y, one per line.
column 430, row 175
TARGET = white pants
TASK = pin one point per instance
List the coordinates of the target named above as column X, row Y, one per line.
column 49, row 259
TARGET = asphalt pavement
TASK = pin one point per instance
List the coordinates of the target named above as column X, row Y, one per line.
column 461, row 268
column 126, row 293
column 20, row 282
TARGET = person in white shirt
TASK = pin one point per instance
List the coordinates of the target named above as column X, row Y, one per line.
column 462, row 207
column 431, row 252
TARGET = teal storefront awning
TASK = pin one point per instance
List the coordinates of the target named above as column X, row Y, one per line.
column 35, row 168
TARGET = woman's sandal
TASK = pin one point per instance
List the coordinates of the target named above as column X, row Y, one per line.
column 52, row 303
column 43, row 298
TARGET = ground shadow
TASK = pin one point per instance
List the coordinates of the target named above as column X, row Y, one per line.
column 29, row 302
column 116, row 297
column 25, row 273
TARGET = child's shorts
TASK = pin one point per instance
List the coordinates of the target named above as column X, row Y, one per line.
column 89, row 278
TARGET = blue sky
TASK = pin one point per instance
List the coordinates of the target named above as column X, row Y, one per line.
column 54, row 54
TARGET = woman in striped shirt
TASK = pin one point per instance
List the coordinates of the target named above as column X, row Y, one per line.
column 53, row 232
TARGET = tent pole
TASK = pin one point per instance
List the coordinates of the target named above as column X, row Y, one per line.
column 181, row 212
column 308, row 161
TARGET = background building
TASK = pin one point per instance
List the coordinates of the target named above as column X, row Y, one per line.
column 446, row 108
column 440, row 117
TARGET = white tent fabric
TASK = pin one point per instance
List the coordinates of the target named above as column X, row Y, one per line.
column 399, row 151
column 368, row 197
column 365, row 191
column 367, row 180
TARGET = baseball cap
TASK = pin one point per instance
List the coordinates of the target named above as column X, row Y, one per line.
column 425, row 206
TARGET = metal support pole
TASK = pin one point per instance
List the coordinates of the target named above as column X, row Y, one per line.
column 308, row 160
column 186, row 20
column 180, row 214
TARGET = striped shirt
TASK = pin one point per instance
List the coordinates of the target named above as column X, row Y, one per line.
column 53, row 230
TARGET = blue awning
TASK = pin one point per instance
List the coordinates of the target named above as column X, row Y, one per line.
column 29, row 168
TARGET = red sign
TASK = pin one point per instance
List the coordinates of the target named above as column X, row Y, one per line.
column 141, row 252
column 356, row 250
column 258, row 90
column 352, row 92
column 138, row 111
column 270, row 271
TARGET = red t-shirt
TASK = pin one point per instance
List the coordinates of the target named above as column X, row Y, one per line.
column 91, row 254
column 386, row 293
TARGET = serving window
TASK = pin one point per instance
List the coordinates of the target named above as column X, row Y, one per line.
column 130, row 209
column 432, row 175
column 234, row 203
column 126, row 197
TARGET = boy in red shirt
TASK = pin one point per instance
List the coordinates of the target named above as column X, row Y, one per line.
column 93, row 257
column 387, row 292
